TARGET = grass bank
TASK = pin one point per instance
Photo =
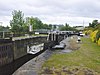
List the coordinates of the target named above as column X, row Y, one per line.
column 88, row 56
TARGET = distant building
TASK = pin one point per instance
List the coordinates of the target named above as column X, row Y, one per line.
column 81, row 28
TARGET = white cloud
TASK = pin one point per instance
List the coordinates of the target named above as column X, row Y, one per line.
column 53, row 11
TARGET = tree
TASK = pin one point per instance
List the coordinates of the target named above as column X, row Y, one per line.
column 17, row 23
column 63, row 28
column 50, row 26
column 35, row 22
column 38, row 23
column 93, row 24
column 46, row 26
column 20, row 25
column 67, row 25
column 67, row 28
column 2, row 28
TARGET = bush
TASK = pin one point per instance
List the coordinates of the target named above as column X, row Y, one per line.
column 98, row 35
column 93, row 36
column 89, row 32
column 99, row 42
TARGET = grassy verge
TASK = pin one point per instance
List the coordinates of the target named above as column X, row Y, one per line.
column 88, row 56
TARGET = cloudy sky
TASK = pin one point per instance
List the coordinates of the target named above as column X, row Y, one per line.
column 73, row 12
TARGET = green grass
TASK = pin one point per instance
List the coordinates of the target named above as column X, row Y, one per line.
column 88, row 56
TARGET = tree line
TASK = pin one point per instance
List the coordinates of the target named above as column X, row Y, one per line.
column 19, row 24
column 94, row 31
column 67, row 28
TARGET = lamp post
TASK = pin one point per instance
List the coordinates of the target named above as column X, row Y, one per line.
column 3, row 33
column 1, row 23
column 30, row 29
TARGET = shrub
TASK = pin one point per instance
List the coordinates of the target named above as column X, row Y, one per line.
column 89, row 32
column 93, row 36
column 99, row 42
column 98, row 35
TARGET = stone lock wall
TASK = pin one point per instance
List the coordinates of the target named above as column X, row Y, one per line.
column 11, row 50
column 20, row 46
column 6, row 53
